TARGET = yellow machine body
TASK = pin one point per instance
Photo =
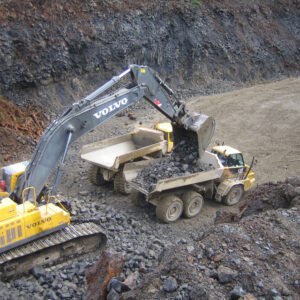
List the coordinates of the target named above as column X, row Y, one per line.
column 25, row 222
column 167, row 129
column 234, row 165
column 3, row 194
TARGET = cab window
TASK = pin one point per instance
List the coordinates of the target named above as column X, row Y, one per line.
column 221, row 157
column 165, row 135
column 235, row 160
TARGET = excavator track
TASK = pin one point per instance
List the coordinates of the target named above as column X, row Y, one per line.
column 62, row 245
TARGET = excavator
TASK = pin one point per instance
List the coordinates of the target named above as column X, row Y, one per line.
column 33, row 233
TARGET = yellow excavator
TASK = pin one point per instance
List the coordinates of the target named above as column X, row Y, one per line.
column 35, row 234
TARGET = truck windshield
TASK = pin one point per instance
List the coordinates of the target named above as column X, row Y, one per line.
column 233, row 160
column 221, row 156
column 236, row 160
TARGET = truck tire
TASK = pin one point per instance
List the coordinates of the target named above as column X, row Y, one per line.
column 169, row 209
column 192, row 204
column 121, row 185
column 95, row 176
column 137, row 198
column 234, row 195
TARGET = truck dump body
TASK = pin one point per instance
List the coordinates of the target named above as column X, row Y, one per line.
column 110, row 153
column 212, row 169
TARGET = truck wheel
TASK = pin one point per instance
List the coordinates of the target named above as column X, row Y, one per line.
column 137, row 198
column 95, row 176
column 234, row 195
column 169, row 209
column 121, row 185
column 192, row 204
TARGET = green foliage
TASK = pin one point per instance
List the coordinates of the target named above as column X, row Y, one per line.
column 197, row 2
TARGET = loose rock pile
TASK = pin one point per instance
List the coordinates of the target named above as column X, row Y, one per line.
column 231, row 261
column 182, row 162
column 257, row 256
column 140, row 245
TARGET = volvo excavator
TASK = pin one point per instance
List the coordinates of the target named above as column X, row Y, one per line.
column 32, row 233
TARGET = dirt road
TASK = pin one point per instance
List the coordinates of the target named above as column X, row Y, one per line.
column 261, row 121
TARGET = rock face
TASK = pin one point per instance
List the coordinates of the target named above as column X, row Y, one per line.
column 209, row 45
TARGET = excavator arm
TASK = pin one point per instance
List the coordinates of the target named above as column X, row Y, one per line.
column 95, row 109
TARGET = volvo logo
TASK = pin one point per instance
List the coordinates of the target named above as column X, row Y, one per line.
column 40, row 222
column 110, row 108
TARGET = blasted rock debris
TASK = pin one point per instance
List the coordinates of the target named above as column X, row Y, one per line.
column 182, row 162
column 261, row 251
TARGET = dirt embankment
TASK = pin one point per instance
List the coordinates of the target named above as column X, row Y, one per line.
column 19, row 130
column 56, row 51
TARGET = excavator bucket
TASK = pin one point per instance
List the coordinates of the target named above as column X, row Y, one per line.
column 199, row 127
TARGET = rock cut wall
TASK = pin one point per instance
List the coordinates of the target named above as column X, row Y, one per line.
column 57, row 48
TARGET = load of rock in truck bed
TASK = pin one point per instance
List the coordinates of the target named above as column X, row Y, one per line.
column 183, row 161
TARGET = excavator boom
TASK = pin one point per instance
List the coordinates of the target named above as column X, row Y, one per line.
column 45, row 230
column 95, row 109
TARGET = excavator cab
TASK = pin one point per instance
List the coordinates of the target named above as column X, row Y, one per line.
column 9, row 176
column 235, row 167
column 167, row 130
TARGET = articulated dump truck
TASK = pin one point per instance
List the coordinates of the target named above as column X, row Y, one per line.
column 179, row 184
column 108, row 157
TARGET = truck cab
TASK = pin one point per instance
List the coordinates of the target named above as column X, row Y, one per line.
column 234, row 165
column 167, row 129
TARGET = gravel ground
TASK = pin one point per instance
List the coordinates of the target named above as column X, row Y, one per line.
column 261, row 251
column 257, row 255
